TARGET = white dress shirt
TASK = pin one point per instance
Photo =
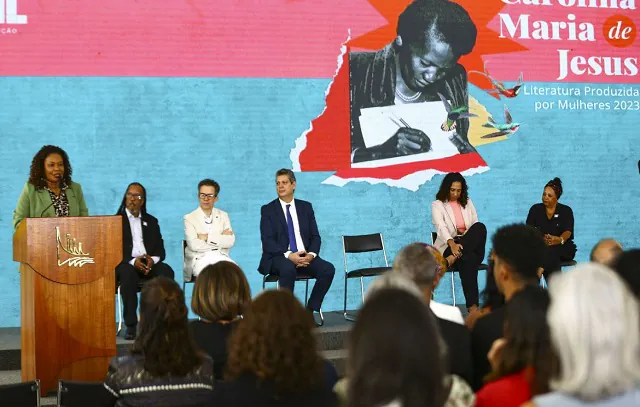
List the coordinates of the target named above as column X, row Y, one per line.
column 135, row 222
column 296, row 226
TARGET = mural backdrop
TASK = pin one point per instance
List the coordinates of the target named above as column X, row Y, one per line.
column 370, row 112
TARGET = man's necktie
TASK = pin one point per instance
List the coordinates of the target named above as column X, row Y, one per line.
column 292, row 236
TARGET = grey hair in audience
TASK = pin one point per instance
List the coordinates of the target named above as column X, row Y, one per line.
column 595, row 329
column 416, row 262
column 393, row 280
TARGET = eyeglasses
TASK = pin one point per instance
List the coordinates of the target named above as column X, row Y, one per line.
column 207, row 196
column 136, row 196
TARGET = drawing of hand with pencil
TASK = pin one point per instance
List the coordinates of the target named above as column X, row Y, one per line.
column 406, row 140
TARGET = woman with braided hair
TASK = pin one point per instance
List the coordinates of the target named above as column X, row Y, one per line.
column 555, row 221
column 165, row 368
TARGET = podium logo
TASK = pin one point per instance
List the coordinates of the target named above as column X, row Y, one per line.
column 9, row 13
column 73, row 248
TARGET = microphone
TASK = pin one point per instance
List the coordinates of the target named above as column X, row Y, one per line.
column 45, row 209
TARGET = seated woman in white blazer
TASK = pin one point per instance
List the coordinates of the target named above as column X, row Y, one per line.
column 208, row 232
column 461, row 238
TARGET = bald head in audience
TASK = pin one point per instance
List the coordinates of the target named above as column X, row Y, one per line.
column 606, row 251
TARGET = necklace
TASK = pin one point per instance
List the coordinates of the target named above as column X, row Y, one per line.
column 408, row 99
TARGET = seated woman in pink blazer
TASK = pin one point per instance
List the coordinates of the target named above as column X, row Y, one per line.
column 461, row 238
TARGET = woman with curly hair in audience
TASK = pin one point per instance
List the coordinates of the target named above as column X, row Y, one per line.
column 50, row 192
column 273, row 358
column 220, row 297
column 165, row 368
column 594, row 321
column 521, row 362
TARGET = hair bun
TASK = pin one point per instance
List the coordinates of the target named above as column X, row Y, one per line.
column 557, row 180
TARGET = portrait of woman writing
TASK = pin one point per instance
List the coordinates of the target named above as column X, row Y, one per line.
column 421, row 62
column 555, row 221
column 461, row 238
column 50, row 192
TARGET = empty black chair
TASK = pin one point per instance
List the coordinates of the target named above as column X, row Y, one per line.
column 362, row 244
column 81, row 394
column 25, row 394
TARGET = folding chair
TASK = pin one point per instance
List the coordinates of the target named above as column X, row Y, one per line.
column 26, row 394
column 362, row 244
column 82, row 394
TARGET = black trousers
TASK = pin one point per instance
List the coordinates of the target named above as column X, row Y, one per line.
column 320, row 269
column 473, row 248
column 555, row 255
column 129, row 279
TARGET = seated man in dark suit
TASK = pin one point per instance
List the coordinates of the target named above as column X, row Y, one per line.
column 142, row 249
column 518, row 251
column 291, row 241
column 419, row 263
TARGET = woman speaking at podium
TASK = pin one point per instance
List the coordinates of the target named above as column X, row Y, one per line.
column 49, row 192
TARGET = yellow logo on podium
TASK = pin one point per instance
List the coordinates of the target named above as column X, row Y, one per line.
column 78, row 257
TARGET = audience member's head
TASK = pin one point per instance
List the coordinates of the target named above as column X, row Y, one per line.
column 164, row 338
column 275, row 342
column 518, row 250
column 595, row 330
column 418, row 262
column 526, row 339
column 606, row 251
column 393, row 327
column 392, row 280
column 221, row 292
column 627, row 265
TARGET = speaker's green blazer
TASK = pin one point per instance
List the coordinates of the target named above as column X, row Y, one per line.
column 36, row 203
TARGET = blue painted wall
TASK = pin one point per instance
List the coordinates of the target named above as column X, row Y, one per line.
column 169, row 133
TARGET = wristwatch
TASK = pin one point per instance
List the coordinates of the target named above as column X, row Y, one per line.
column 561, row 240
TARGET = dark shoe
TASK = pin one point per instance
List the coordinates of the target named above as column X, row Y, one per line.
column 130, row 333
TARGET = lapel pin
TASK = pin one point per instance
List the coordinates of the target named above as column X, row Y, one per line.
column 144, row 223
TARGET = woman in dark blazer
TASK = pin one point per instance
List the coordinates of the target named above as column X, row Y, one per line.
column 555, row 221
column 50, row 192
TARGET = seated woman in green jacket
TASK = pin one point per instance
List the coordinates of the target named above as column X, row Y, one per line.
column 49, row 191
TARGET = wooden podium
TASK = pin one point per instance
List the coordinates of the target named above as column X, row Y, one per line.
column 67, row 296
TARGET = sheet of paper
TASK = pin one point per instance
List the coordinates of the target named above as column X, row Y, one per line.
column 378, row 124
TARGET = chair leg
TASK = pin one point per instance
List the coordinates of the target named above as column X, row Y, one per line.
column 453, row 288
column 306, row 292
column 346, row 316
column 119, row 312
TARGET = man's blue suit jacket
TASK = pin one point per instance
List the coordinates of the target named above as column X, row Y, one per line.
column 275, row 235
